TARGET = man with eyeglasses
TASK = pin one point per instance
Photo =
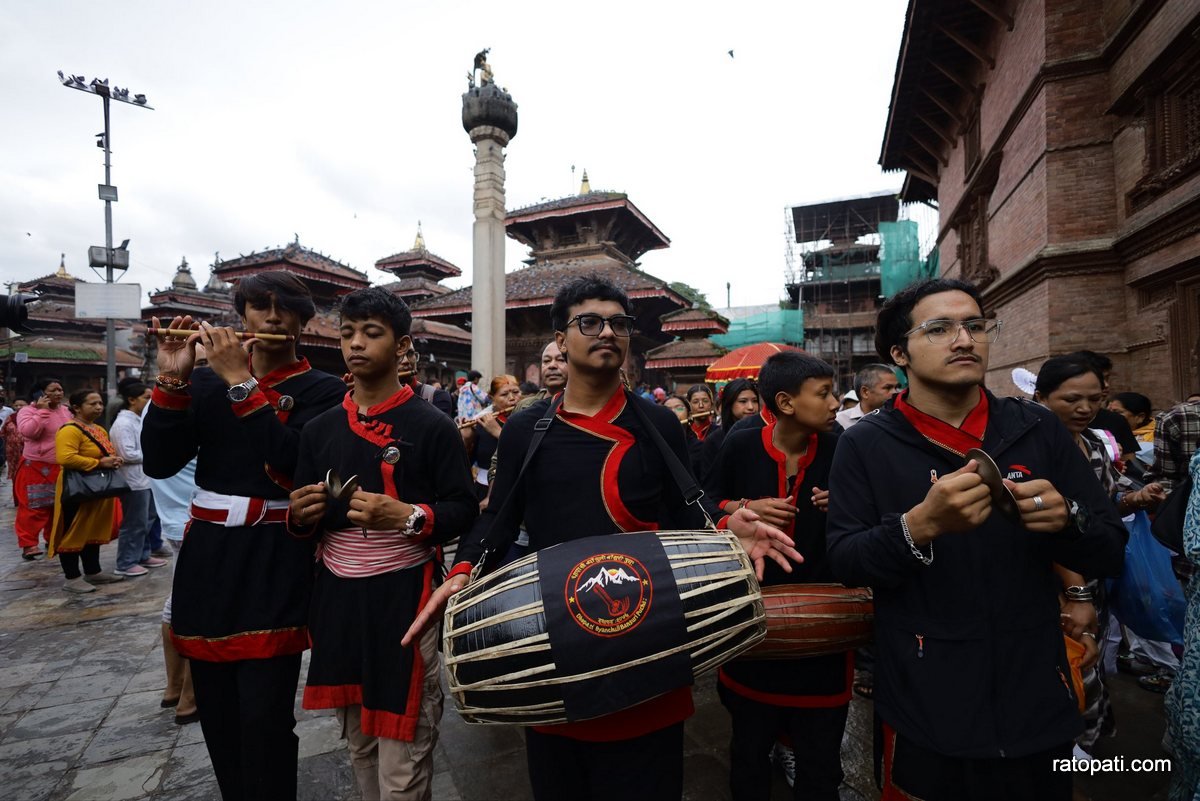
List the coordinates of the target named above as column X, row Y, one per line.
column 597, row 471
column 438, row 398
column 972, row 680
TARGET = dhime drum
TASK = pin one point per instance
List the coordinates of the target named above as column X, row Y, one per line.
column 596, row 625
column 813, row 620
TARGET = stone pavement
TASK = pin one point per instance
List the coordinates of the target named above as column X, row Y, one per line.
column 81, row 678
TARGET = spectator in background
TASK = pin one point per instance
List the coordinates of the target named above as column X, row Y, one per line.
column 471, row 399
column 1137, row 411
column 1107, row 420
column 133, row 545
column 1176, row 438
column 1182, row 738
column 80, row 529
column 35, row 481
column 874, row 385
column 431, row 393
column 13, row 443
column 528, row 389
column 739, row 399
column 849, row 400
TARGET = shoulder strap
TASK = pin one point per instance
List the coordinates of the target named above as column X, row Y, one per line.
column 683, row 477
column 95, row 441
column 427, row 391
column 539, row 433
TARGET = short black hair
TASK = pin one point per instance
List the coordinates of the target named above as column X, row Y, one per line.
column 587, row 287
column 289, row 292
column 45, row 382
column 1060, row 369
column 1101, row 362
column 895, row 316
column 80, row 395
column 474, row 376
column 730, row 394
column 1135, row 402
column 786, row 372
column 131, row 390
column 528, row 388
column 867, row 376
column 363, row 304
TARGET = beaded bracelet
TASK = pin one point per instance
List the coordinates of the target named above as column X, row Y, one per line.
column 912, row 546
column 167, row 382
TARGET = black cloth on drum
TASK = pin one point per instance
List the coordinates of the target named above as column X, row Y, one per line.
column 816, row 736
column 573, row 489
column 628, row 597
column 646, row 768
column 240, row 592
column 431, row 469
column 746, row 469
column 247, row 715
column 238, row 455
column 356, row 626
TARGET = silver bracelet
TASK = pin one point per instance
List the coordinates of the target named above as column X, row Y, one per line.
column 912, row 546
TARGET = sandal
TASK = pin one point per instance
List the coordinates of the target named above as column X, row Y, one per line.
column 31, row 552
column 1158, row 682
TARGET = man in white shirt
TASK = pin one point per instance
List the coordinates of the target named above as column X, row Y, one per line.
column 133, row 546
column 874, row 385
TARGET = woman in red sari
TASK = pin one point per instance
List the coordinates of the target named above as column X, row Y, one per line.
column 35, row 480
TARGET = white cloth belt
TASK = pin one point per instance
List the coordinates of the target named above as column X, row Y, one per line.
column 237, row 507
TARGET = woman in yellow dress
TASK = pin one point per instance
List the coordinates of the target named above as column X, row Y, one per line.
column 80, row 529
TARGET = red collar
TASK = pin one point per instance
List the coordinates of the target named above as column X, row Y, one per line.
column 780, row 458
column 281, row 374
column 956, row 440
column 611, row 410
column 397, row 399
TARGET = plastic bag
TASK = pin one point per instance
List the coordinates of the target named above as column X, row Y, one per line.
column 1147, row 597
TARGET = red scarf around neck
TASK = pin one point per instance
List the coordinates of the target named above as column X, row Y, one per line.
column 956, row 440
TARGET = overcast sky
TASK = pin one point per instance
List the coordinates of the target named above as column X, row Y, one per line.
column 342, row 123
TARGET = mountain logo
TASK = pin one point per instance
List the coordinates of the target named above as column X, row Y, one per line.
column 608, row 594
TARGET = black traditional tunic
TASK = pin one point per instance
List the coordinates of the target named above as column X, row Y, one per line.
column 591, row 476
column 370, row 588
column 240, row 592
column 749, row 467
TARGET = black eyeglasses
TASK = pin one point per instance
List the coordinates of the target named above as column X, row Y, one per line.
column 591, row 325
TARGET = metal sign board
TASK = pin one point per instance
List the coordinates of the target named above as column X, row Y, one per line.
column 101, row 301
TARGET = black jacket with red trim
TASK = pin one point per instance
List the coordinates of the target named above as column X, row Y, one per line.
column 748, row 467
column 970, row 660
column 431, row 470
column 246, row 448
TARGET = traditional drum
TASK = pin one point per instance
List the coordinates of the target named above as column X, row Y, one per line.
column 508, row 660
column 813, row 620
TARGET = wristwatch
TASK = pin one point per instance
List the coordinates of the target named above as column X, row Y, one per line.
column 239, row 392
column 415, row 522
column 1078, row 517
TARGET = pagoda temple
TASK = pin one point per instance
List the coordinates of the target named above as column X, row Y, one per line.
column 591, row 233
column 61, row 345
column 686, row 360
column 444, row 348
column 213, row 304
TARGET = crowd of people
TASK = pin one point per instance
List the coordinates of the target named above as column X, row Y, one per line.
column 318, row 510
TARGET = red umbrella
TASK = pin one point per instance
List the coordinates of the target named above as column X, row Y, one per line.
column 745, row 362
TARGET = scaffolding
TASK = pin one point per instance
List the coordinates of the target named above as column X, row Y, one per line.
column 784, row 326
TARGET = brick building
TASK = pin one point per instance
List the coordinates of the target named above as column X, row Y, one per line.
column 1061, row 141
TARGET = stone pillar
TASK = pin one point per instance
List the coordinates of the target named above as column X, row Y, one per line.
column 488, row 298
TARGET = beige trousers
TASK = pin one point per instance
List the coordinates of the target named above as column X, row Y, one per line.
column 394, row 770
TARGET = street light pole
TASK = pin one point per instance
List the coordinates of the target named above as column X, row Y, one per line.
column 108, row 193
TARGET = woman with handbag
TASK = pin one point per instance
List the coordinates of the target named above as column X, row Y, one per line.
column 82, row 525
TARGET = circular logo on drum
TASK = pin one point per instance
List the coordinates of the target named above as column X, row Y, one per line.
column 609, row 594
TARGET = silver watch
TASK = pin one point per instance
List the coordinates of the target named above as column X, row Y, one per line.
column 239, row 392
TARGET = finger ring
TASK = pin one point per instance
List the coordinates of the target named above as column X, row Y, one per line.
column 1038, row 503
column 1089, row 634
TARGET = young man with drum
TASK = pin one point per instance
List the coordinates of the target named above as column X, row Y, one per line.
column 377, row 550
column 241, row 591
column 971, row 675
column 781, row 472
column 596, row 471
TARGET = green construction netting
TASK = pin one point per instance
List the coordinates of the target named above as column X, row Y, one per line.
column 899, row 256
column 777, row 325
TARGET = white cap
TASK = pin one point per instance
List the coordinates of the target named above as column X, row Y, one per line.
column 851, row 395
